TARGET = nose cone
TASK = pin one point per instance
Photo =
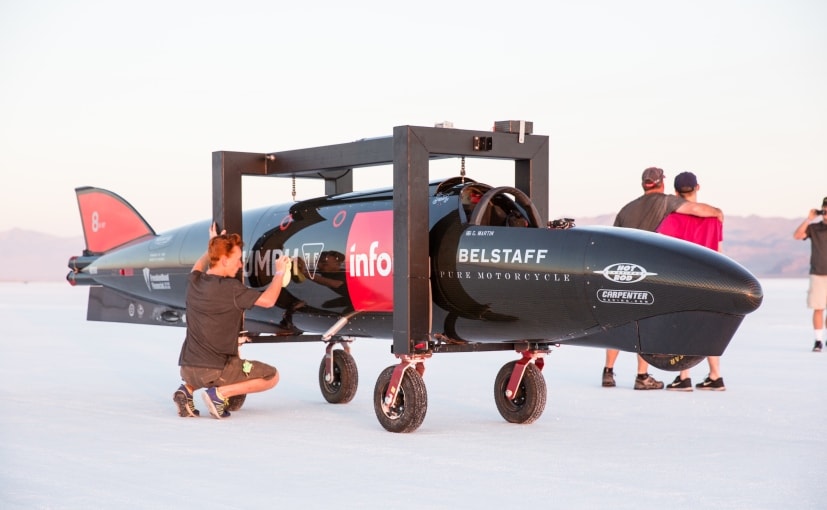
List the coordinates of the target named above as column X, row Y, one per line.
column 688, row 299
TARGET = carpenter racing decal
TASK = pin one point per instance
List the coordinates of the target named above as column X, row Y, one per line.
column 630, row 297
column 624, row 272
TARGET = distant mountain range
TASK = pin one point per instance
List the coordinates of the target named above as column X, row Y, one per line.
column 30, row 256
column 765, row 246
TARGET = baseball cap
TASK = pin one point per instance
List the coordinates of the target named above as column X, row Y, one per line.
column 685, row 182
column 652, row 177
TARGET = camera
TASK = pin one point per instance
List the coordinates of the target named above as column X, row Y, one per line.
column 821, row 211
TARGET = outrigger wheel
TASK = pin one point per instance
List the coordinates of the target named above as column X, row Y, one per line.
column 672, row 362
column 339, row 384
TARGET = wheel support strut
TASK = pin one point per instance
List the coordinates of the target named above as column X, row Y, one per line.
column 536, row 356
column 328, row 356
column 415, row 361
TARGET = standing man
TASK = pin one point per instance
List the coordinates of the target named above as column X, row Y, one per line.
column 817, row 294
column 216, row 301
column 706, row 232
column 645, row 213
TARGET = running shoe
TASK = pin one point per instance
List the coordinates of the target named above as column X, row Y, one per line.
column 215, row 404
column 183, row 399
column 680, row 384
column 712, row 384
column 647, row 382
column 608, row 378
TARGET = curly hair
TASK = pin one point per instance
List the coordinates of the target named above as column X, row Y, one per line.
column 222, row 245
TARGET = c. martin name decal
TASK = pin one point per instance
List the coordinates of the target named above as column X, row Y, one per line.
column 631, row 297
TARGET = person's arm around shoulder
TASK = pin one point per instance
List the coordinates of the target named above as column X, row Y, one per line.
column 801, row 232
column 203, row 263
column 700, row 209
column 268, row 298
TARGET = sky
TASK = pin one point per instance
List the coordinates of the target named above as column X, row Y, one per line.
column 136, row 97
column 88, row 422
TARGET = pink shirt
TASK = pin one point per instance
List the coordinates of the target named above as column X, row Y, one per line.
column 707, row 232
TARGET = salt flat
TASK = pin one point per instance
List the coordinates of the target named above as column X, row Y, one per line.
column 88, row 422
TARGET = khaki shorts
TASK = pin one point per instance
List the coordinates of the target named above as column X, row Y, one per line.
column 817, row 294
column 198, row 377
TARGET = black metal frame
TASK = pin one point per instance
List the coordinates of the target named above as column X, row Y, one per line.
column 409, row 150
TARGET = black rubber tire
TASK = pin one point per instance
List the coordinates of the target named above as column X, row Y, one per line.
column 672, row 362
column 236, row 402
column 529, row 402
column 411, row 401
column 342, row 388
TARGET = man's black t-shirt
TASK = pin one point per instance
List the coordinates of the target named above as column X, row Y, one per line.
column 215, row 307
column 817, row 233
column 647, row 211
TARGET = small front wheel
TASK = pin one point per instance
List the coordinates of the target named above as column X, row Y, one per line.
column 341, row 388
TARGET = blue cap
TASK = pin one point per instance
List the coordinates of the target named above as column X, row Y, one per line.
column 685, row 182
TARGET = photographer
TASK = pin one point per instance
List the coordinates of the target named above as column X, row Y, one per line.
column 816, row 231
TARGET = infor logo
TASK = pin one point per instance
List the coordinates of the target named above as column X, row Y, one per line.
column 369, row 262
column 625, row 272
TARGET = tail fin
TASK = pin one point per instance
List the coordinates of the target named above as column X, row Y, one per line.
column 108, row 220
